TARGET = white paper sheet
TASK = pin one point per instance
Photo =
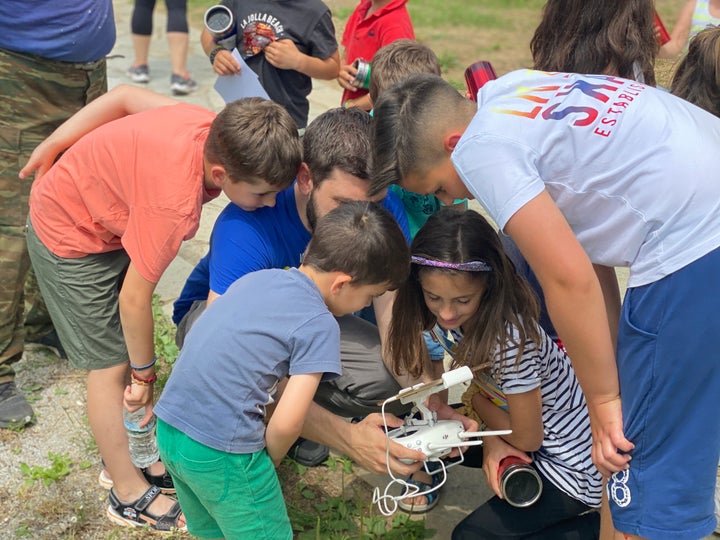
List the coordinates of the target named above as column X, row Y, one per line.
column 245, row 84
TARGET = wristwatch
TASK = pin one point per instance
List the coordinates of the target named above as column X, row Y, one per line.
column 214, row 52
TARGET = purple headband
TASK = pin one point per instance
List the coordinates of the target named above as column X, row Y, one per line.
column 470, row 266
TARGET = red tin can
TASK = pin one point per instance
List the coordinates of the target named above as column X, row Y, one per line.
column 476, row 75
column 663, row 36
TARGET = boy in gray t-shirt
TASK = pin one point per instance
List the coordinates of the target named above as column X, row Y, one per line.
column 272, row 329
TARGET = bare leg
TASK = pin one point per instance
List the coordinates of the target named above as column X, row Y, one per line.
column 178, row 43
column 607, row 531
column 104, row 403
column 141, row 47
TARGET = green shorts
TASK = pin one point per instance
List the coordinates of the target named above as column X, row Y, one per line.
column 224, row 495
column 82, row 298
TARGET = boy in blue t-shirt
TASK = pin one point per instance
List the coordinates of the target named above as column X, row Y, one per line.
column 268, row 326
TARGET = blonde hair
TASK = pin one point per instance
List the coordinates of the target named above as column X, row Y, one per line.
column 397, row 61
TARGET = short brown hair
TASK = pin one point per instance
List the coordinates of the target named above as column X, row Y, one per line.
column 697, row 77
column 406, row 121
column 397, row 61
column 338, row 139
column 255, row 140
column 363, row 240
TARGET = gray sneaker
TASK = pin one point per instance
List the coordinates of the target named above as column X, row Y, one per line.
column 15, row 411
column 182, row 86
column 139, row 74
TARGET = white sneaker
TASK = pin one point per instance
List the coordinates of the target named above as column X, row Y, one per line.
column 182, row 86
column 139, row 74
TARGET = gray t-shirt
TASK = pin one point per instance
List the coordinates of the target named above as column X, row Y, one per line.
column 268, row 325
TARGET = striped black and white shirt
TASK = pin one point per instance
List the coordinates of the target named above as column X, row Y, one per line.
column 564, row 457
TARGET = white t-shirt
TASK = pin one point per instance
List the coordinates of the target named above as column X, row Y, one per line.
column 634, row 170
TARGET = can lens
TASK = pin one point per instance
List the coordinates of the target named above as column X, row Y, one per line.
column 521, row 487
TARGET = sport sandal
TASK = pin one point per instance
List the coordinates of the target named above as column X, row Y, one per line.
column 432, row 498
column 163, row 481
column 136, row 514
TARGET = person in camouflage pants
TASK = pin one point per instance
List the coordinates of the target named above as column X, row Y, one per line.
column 39, row 93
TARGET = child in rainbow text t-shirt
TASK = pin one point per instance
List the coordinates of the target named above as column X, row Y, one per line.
column 587, row 173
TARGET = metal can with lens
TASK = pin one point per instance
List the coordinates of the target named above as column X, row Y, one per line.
column 520, row 483
column 362, row 79
column 220, row 22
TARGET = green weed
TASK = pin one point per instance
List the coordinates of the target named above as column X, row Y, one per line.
column 165, row 347
column 59, row 468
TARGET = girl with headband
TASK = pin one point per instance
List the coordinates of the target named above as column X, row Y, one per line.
column 464, row 288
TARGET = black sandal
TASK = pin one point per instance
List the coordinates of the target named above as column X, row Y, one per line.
column 135, row 514
column 163, row 481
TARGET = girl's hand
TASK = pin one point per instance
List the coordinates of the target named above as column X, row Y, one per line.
column 495, row 450
column 446, row 412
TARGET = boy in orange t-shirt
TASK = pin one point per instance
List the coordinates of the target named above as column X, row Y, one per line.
column 106, row 221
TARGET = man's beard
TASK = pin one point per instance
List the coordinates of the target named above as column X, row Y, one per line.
column 311, row 211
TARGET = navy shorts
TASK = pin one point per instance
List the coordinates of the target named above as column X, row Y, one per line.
column 669, row 368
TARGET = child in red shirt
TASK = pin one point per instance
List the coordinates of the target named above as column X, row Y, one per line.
column 373, row 24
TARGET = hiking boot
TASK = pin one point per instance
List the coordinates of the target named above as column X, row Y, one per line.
column 308, row 453
column 15, row 411
column 182, row 86
column 139, row 74
column 50, row 342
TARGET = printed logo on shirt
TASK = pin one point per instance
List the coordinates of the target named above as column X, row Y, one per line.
column 618, row 490
column 597, row 101
column 258, row 30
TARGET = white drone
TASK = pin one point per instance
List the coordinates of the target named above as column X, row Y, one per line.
column 434, row 438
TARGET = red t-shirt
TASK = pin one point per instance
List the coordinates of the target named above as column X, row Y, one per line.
column 363, row 36
column 136, row 184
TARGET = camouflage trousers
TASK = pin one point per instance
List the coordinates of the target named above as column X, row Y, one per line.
column 37, row 96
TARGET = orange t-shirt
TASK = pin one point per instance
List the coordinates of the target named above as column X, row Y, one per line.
column 135, row 184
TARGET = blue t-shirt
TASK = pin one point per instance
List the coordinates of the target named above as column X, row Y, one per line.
column 78, row 31
column 268, row 325
column 242, row 242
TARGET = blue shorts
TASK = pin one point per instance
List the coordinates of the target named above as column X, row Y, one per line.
column 669, row 368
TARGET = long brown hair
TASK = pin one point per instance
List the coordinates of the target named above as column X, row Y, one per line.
column 608, row 36
column 508, row 304
column 697, row 77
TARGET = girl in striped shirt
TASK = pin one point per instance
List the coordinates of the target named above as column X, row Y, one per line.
column 463, row 284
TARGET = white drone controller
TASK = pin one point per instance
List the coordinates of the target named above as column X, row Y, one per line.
column 434, row 438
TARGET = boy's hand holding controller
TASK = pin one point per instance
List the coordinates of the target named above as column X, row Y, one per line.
column 368, row 447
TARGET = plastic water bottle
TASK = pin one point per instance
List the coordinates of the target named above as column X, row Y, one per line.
column 143, row 446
